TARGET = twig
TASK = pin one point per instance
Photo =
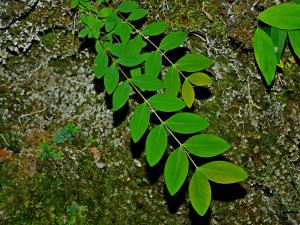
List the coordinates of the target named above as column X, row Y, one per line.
column 4, row 140
column 30, row 114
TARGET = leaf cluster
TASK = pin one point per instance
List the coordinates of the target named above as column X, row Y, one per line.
column 126, row 65
column 282, row 26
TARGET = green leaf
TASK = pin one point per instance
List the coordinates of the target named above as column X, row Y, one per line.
column 282, row 16
column 294, row 36
column 121, row 96
column 188, row 93
column 148, row 83
column 74, row 3
column 99, row 48
column 187, row 123
column 83, row 32
column 193, row 63
column 199, row 192
column 136, row 72
column 130, row 59
column 166, row 103
column 223, row 172
column 200, row 79
column 100, row 64
column 139, row 122
column 105, row 12
column 206, row 145
column 155, row 28
column 153, row 64
column 111, row 79
column 278, row 37
column 118, row 49
column 172, row 40
column 111, row 22
column 136, row 44
column 172, row 81
column 137, row 14
column 265, row 55
column 127, row 7
column 156, row 144
column 176, row 170
column 123, row 30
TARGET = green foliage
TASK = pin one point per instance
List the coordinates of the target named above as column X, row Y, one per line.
column 66, row 134
column 283, row 19
column 127, row 66
column 48, row 151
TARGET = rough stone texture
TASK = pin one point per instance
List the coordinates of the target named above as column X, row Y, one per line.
column 46, row 80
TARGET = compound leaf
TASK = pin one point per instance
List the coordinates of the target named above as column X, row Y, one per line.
column 100, row 64
column 206, row 145
column 121, row 95
column 172, row 81
column 111, row 22
column 127, row 7
column 193, row 63
column 153, row 64
column 137, row 14
column 188, row 93
column 105, row 12
column 111, row 79
column 176, row 170
column 130, row 59
column 166, row 103
column 155, row 28
column 136, row 44
column 123, row 30
column 223, row 172
column 199, row 192
column 278, row 37
column 282, row 16
column 139, row 122
column 265, row 55
column 186, row 123
column 156, row 144
column 200, row 79
column 172, row 40
column 147, row 83
column 294, row 36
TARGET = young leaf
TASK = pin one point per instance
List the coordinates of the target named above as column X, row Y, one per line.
column 294, row 36
column 193, row 63
column 172, row 81
column 172, row 40
column 156, row 144
column 187, row 123
column 166, row 103
column 130, row 59
column 153, row 64
column 176, row 170
column 137, row 14
column 282, row 16
column 74, row 3
column 223, row 172
column 127, row 7
column 265, row 55
column 200, row 79
column 199, row 192
column 278, row 37
column 139, row 122
column 148, row 83
column 121, row 95
column 111, row 79
column 206, row 145
column 188, row 93
column 155, row 28
column 100, row 64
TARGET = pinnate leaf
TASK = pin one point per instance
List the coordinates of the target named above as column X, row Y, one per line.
column 127, row 6
column 111, row 22
column 153, row 64
column 123, row 30
column 111, row 79
column 265, row 55
column 139, row 122
column 199, row 192
column 200, row 79
column 100, row 64
column 121, row 95
column 166, row 103
column 155, row 28
column 188, row 93
column 148, row 83
column 186, row 123
column 105, row 12
column 294, row 36
column 193, row 63
column 156, row 144
column 130, row 59
column 206, row 145
column 176, row 170
column 282, row 16
column 137, row 14
column 172, row 40
column 223, row 172
column 172, row 81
